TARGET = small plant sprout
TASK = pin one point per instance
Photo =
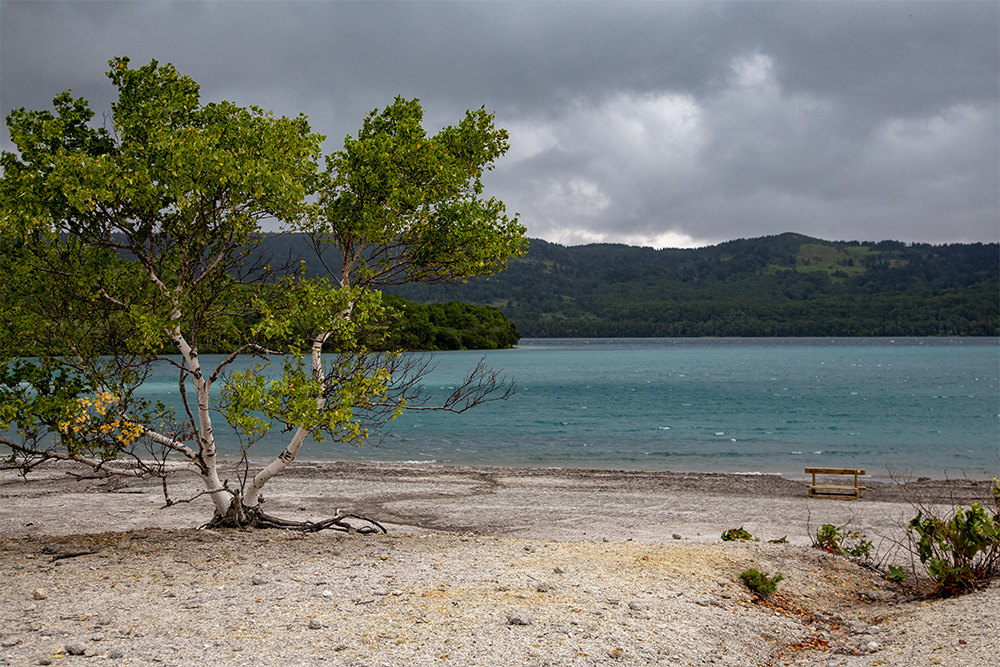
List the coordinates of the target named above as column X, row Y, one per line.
column 828, row 538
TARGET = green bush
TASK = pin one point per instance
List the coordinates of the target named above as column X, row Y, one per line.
column 861, row 548
column 828, row 538
column 896, row 575
column 734, row 534
column 441, row 326
column 833, row 540
column 759, row 583
column 960, row 549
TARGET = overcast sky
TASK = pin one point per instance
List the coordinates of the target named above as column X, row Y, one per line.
column 648, row 123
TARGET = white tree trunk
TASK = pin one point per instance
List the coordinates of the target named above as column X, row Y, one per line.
column 251, row 496
column 209, row 472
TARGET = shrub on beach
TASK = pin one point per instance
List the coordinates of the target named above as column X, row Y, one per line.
column 835, row 540
column 759, row 583
column 734, row 534
column 961, row 548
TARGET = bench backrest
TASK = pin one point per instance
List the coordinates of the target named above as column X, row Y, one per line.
column 835, row 471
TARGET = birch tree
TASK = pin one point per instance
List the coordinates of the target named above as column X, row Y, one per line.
column 138, row 243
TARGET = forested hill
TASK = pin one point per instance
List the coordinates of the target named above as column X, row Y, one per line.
column 787, row 285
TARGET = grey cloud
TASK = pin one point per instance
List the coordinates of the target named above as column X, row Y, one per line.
column 872, row 120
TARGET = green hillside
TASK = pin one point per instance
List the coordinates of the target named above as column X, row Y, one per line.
column 787, row 285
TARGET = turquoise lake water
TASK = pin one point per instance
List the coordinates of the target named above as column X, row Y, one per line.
column 930, row 406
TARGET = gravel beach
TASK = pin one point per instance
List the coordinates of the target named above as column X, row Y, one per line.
column 482, row 566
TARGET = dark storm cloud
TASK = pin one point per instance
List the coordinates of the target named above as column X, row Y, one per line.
column 654, row 123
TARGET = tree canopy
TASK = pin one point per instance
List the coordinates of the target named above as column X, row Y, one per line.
column 142, row 237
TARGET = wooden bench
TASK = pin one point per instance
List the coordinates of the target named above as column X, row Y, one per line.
column 842, row 491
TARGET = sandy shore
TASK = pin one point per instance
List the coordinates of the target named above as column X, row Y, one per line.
column 516, row 502
column 482, row 566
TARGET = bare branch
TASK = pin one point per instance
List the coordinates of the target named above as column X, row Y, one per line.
column 483, row 385
column 72, row 554
column 169, row 502
column 110, row 299
column 258, row 349
column 100, row 465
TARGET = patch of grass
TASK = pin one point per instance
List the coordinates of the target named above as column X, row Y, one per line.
column 818, row 257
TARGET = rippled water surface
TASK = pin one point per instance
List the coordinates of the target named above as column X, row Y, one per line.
column 767, row 405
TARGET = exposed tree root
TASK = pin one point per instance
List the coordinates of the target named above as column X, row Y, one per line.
column 256, row 518
column 73, row 554
column 338, row 522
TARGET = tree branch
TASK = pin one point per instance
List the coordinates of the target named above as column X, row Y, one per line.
column 159, row 470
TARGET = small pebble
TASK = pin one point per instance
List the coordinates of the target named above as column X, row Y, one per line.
column 617, row 653
column 39, row 593
column 676, row 536
column 518, row 617
column 115, row 654
column 558, row 570
column 315, row 625
column 45, row 661
column 257, row 580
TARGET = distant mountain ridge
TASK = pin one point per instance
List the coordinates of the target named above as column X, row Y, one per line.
column 785, row 285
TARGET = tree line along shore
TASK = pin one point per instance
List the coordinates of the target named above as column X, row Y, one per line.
column 780, row 286
column 786, row 285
